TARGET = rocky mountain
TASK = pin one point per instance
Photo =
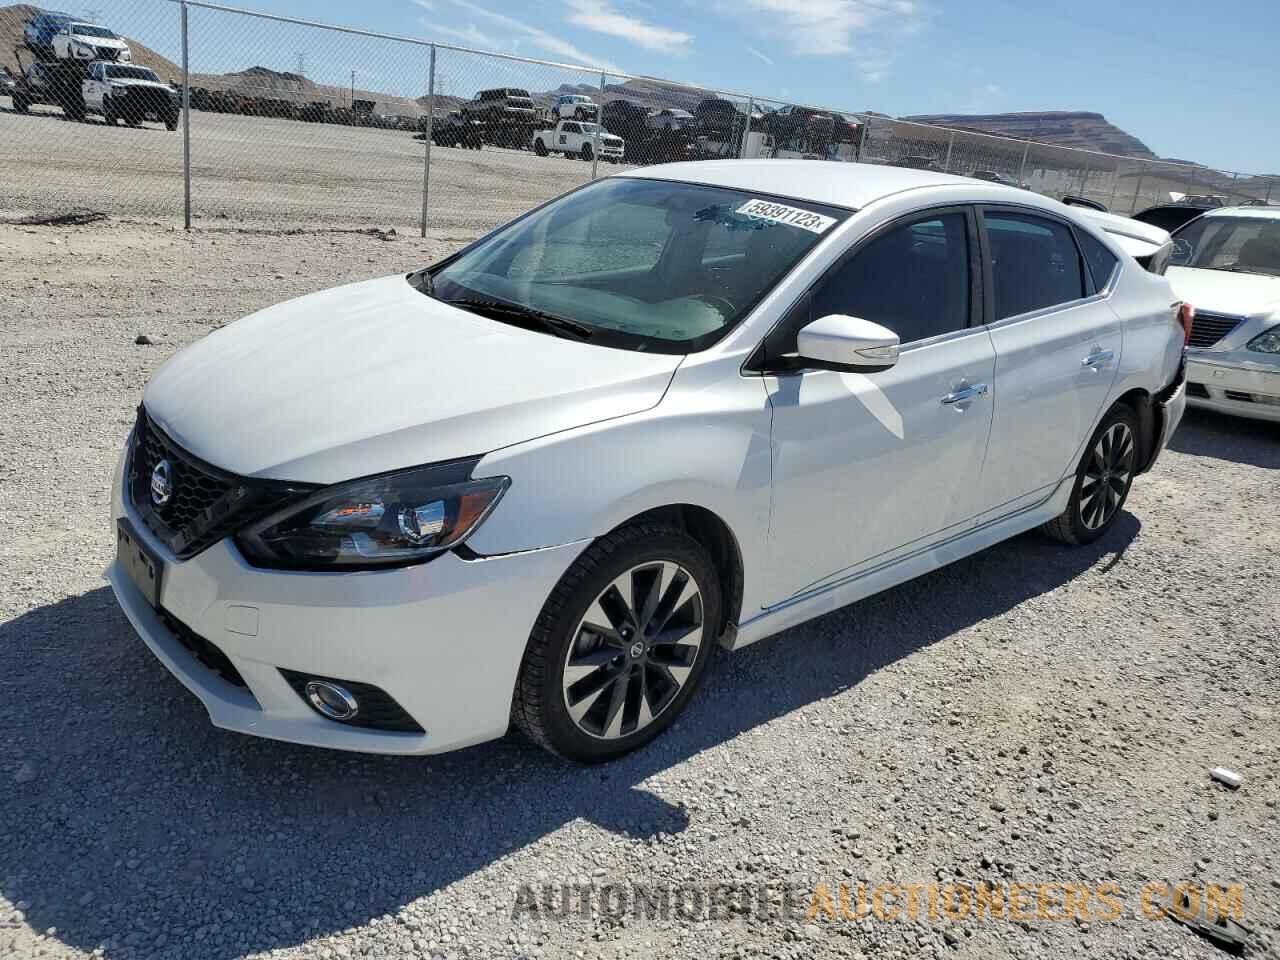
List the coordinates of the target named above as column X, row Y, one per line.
column 1079, row 129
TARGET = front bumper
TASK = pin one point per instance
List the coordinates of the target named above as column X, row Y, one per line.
column 1234, row 384
column 443, row 639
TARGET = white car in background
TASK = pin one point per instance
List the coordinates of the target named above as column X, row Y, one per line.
column 690, row 407
column 1227, row 262
column 573, row 106
column 88, row 41
column 581, row 139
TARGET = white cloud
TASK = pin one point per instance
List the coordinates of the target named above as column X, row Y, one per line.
column 470, row 35
column 541, row 40
column 756, row 53
column 599, row 16
column 425, row 4
column 828, row 27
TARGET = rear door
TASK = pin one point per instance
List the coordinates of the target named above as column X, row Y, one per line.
column 864, row 464
column 1057, row 344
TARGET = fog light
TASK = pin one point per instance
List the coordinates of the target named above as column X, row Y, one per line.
column 335, row 702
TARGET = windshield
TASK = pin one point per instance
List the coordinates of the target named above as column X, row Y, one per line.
column 642, row 264
column 591, row 128
column 89, row 30
column 1236, row 244
column 131, row 73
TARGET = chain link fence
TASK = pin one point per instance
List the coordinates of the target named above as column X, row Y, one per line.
column 284, row 123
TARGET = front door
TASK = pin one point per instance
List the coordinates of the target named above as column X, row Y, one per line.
column 866, row 464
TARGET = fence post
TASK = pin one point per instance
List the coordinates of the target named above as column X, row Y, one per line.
column 186, row 123
column 1270, row 184
column 1022, row 167
column 746, row 133
column 1234, row 178
column 1137, row 191
column 595, row 139
column 431, row 116
column 951, row 142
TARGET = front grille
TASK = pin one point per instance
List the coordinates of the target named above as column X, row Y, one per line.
column 106, row 53
column 378, row 709
column 1209, row 328
column 203, row 650
column 205, row 504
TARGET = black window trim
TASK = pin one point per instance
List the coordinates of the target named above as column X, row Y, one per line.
column 757, row 363
column 1093, row 294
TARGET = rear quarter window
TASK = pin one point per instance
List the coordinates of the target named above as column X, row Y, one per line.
column 1102, row 262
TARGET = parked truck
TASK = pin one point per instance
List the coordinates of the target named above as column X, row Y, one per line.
column 575, row 138
column 54, row 83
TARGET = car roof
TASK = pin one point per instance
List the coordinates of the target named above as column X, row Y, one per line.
column 1260, row 213
column 852, row 185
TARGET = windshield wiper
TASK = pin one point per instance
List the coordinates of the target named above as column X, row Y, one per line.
column 1261, row 272
column 527, row 317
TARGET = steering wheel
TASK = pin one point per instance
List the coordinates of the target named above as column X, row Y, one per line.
column 717, row 301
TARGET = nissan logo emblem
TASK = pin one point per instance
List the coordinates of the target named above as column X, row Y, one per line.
column 161, row 483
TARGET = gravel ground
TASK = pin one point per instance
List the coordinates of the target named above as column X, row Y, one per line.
column 1035, row 714
column 268, row 172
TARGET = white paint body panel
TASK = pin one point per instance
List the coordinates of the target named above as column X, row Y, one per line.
column 832, row 487
column 1227, row 365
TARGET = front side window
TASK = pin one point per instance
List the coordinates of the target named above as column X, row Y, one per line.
column 1235, row 244
column 649, row 265
column 130, row 73
column 913, row 280
column 1034, row 263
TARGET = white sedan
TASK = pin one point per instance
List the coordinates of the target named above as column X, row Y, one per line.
column 1227, row 262
column 688, row 407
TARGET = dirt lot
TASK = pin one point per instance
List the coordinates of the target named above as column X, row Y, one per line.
column 268, row 172
column 1035, row 715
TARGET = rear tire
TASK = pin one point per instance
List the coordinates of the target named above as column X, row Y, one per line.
column 1103, row 480
column 631, row 678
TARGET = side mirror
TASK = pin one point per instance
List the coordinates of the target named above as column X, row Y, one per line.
column 846, row 345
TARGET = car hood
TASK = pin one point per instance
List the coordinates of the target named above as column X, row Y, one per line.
column 1220, row 291
column 376, row 376
column 142, row 85
column 104, row 42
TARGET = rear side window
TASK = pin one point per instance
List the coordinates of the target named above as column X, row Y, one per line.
column 1034, row 263
column 913, row 280
column 1102, row 262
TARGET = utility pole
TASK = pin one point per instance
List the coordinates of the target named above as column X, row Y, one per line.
column 352, row 104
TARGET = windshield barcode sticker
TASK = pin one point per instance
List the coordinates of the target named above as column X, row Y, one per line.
column 791, row 216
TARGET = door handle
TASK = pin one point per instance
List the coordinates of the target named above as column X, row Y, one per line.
column 1098, row 358
column 961, row 394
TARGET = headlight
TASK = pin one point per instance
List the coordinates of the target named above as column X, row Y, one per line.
column 83, row 50
column 390, row 520
column 1266, row 342
column 125, row 55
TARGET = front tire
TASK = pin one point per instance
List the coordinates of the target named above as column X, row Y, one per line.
column 620, row 645
column 1103, row 480
column 586, row 151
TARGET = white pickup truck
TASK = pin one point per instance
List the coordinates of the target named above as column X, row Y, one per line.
column 122, row 91
column 575, row 138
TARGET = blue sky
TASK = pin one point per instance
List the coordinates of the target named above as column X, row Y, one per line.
column 1192, row 79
